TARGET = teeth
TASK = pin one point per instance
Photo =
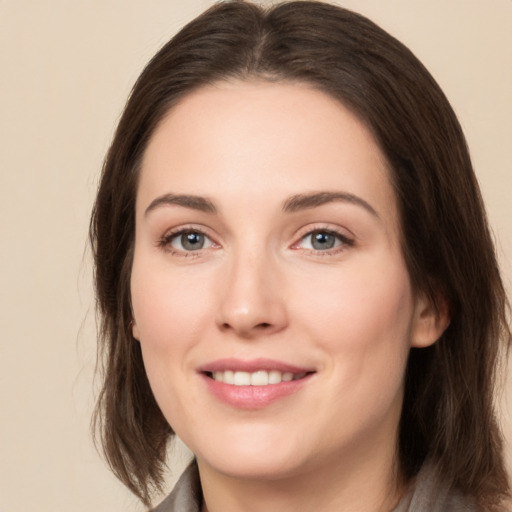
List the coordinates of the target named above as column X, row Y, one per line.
column 258, row 378
column 242, row 379
column 274, row 377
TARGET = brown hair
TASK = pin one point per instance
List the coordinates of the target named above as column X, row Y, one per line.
column 448, row 414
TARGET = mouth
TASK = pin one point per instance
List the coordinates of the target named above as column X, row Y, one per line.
column 256, row 378
column 253, row 384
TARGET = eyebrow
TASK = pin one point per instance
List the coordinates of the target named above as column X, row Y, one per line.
column 292, row 204
column 315, row 199
column 188, row 201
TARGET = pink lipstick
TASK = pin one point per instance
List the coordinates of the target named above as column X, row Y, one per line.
column 253, row 384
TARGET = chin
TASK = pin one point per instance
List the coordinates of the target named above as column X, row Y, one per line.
column 252, row 453
column 259, row 467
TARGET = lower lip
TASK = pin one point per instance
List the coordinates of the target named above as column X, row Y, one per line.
column 253, row 397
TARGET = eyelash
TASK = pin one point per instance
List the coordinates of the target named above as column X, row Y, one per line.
column 344, row 242
column 166, row 240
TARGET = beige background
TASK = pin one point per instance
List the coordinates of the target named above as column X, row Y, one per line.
column 66, row 69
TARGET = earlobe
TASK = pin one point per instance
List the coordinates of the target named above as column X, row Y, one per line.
column 430, row 321
column 135, row 331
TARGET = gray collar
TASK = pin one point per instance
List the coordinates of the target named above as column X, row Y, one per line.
column 428, row 494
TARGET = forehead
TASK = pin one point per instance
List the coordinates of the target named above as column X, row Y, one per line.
column 264, row 138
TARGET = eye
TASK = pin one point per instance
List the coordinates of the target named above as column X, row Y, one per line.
column 187, row 241
column 323, row 240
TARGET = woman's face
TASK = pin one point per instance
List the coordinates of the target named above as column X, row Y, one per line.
column 267, row 249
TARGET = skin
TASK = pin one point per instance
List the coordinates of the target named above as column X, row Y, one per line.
column 259, row 287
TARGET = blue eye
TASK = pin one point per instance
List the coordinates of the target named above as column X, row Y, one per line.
column 323, row 240
column 189, row 241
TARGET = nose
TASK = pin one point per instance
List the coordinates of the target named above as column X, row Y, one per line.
column 252, row 301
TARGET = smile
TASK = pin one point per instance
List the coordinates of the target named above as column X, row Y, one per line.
column 253, row 384
column 257, row 378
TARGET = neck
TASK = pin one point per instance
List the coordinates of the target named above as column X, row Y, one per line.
column 363, row 485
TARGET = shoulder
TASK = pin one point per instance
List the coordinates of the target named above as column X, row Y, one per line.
column 429, row 494
column 186, row 495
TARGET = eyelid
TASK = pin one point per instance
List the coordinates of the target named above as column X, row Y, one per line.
column 164, row 242
column 347, row 240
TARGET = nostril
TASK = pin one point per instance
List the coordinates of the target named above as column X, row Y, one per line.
column 245, row 330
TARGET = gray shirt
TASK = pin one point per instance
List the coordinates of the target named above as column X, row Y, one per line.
column 427, row 495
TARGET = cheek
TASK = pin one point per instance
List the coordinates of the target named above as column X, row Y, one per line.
column 365, row 328
column 169, row 312
column 169, row 307
column 363, row 317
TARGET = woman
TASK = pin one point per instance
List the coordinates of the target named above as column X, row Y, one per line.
column 294, row 274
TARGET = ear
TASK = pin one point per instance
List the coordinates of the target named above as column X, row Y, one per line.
column 135, row 331
column 430, row 320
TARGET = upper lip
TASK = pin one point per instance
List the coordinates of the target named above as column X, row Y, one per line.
column 251, row 365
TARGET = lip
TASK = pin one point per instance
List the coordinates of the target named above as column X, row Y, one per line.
column 252, row 365
column 252, row 397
